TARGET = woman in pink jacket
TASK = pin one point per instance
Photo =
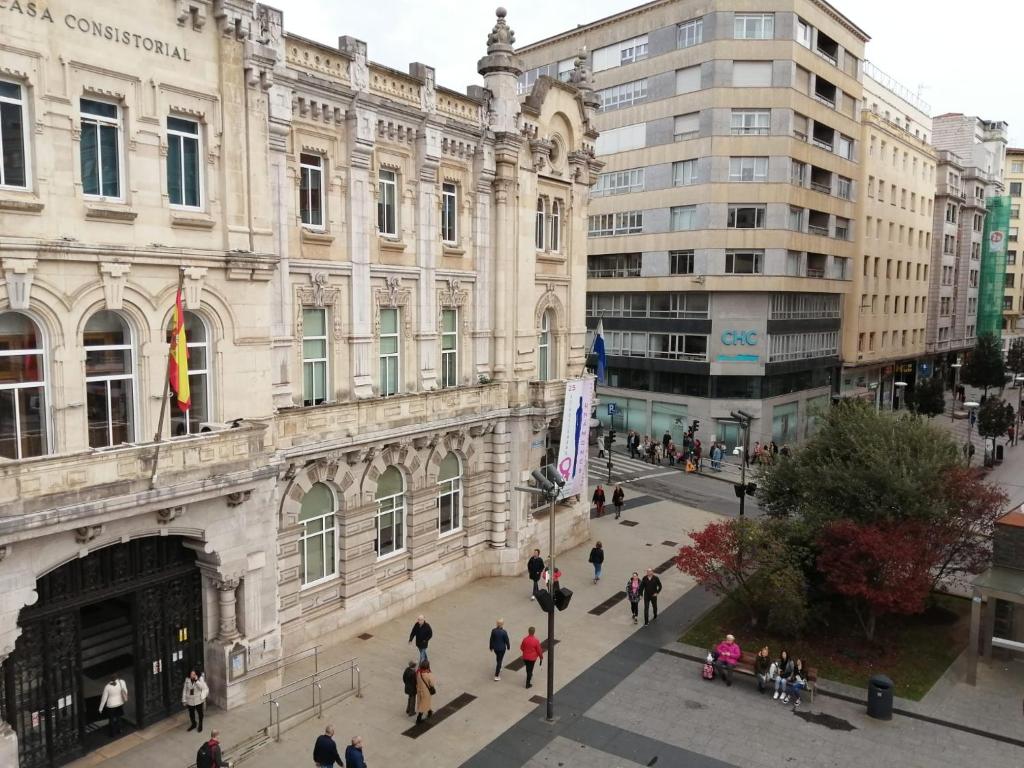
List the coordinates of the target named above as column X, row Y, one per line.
column 727, row 654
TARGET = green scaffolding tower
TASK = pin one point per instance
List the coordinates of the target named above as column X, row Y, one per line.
column 992, row 280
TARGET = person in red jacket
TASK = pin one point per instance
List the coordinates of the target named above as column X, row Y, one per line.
column 532, row 652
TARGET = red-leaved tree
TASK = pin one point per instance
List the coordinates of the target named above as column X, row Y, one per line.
column 962, row 537
column 724, row 557
column 884, row 568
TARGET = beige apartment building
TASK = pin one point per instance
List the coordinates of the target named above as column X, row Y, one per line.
column 383, row 289
column 1013, row 296
column 885, row 313
column 723, row 232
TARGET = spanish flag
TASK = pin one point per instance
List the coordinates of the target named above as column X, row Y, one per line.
column 179, row 357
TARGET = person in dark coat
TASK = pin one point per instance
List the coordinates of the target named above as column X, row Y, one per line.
column 599, row 500
column 216, row 759
column 409, row 681
column 354, row 753
column 535, row 567
column 618, row 497
column 650, row 585
column 325, row 750
column 499, row 643
column 421, row 633
column 597, row 560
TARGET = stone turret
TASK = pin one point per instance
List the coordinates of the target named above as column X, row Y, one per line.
column 501, row 69
column 580, row 77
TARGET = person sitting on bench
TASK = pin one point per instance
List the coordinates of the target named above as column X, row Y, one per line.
column 727, row 654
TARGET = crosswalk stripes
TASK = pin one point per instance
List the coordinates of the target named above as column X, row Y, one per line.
column 625, row 469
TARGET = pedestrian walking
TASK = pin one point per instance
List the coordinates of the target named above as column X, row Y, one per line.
column 535, row 567
column 113, row 699
column 499, row 643
column 597, row 560
column 193, row 696
column 598, row 500
column 354, row 753
column 325, row 750
column 633, row 590
column 210, row 754
column 631, row 443
column 618, row 497
column 666, row 441
column 425, row 689
column 532, row 653
column 698, row 450
column 409, row 681
column 650, row 585
column 421, row 633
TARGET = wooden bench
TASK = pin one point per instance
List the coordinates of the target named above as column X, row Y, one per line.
column 745, row 666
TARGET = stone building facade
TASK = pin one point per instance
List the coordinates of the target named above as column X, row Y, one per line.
column 377, row 346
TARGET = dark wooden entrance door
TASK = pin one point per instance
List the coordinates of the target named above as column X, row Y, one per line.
column 42, row 695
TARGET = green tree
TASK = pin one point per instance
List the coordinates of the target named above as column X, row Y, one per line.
column 1015, row 356
column 928, row 397
column 995, row 416
column 861, row 465
column 984, row 367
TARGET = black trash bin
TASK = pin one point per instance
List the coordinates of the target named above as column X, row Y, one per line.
column 880, row 698
column 999, row 454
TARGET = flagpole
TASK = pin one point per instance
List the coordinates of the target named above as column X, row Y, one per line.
column 157, row 438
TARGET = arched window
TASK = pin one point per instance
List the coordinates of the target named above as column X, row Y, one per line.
column 319, row 553
column 544, row 360
column 556, row 226
column 22, row 388
column 539, row 231
column 198, row 341
column 449, row 495
column 109, row 380
column 390, row 512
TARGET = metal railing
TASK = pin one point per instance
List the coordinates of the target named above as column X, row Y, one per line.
column 285, row 661
column 305, row 697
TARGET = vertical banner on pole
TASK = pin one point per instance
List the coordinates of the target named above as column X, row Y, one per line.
column 574, row 447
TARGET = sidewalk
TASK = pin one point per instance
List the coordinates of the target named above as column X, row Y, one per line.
column 464, row 667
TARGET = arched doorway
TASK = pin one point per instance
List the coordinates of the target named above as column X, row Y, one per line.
column 130, row 610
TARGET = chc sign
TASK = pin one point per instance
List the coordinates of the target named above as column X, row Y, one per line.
column 739, row 338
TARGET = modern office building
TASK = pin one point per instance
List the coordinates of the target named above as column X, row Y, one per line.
column 885, row 312
column 971, row 155
column 1013, row 297
column 723, row 231
column 376, row 345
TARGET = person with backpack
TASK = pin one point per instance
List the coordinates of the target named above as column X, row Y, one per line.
column 499, row 643
column 409, row 681
column 599, row 500
column 633, row 594
column 597, row 560
column 325, row 750
column 193, row 696
column 115, row 696
column 210, row 755
column 618, row 497
column 535, row 567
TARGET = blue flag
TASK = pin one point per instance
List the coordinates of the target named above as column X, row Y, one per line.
column 602, row 358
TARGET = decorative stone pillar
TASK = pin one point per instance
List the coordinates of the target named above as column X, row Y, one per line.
column 228, row 628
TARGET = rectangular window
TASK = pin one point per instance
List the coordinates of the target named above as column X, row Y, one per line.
column 750, row 74
column 100, row 149
column 387, row 203
column 314, row 356
column 686, row 126
column 802, row 346
column 449, row 347
column 624, row 223
column 13, row 137
column 748, row 169
column 746, row 217
column 680, row 262
column 690, row 33
column 803, row 33
column 688, row 80
column 623, row 95
column 311, row 191
column 744, row 262
column 1017, row 166
column 618, row 183
column 390, row 355
column 684, row 173
column 750, row 122
column 449, row 213
column 683, row 217
column 754, row 26
column 184, row 176
column 614, row 265
column 845, row 147
column 796, row 219
column 625, row 52
column 565, row 68
column 844, row 187
column 622, row 139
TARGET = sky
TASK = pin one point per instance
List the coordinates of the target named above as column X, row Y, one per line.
column 958, row 56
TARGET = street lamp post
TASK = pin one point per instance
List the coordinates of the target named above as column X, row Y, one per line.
column 956, row 388
column 550, row 487
column 971, row 407
column 1016, row 427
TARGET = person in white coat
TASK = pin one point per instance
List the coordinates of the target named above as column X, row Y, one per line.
column 115, row 696
column 193, row 696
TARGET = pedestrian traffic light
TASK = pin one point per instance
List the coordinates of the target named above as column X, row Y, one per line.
column 562, row 597
column 738, row 490
column 545, row 601
column 611, row 436
column 696, row 426
column 751, row 489
column 607, row 442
